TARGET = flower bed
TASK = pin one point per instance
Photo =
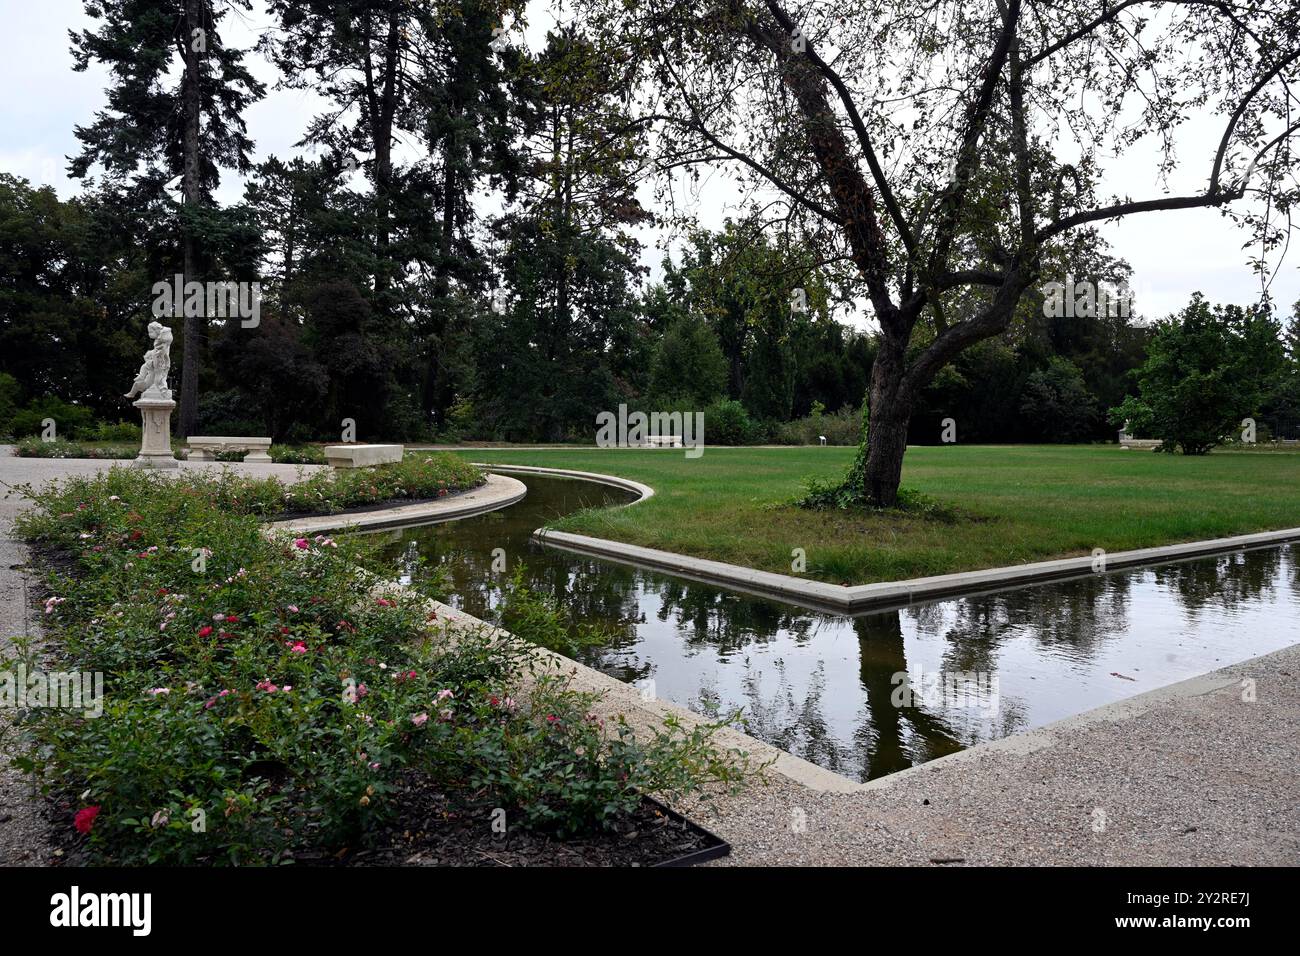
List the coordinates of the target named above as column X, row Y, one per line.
column 329, row 491
column 261, row 703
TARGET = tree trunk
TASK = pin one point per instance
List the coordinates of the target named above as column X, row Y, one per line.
column 876, row 473
column 192, row 347
column 383, row 109
column 436, row 397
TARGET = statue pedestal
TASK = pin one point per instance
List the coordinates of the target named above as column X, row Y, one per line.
column 156, row 449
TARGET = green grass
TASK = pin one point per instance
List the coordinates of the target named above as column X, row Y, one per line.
column 1019, row 503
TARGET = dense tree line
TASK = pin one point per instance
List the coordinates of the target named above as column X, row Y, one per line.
column 562, row 314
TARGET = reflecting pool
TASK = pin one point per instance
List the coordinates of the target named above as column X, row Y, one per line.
column 831, row 688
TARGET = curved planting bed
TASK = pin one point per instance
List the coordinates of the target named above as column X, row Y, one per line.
column 263, row 702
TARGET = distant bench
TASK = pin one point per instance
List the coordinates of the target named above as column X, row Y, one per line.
column 362, row 456
column 207, row 447
column 1128, row 441
column 663, row 441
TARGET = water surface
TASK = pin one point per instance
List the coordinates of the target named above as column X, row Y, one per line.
column 828, row 687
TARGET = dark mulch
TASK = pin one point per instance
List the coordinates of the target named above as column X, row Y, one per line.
column 431, row 830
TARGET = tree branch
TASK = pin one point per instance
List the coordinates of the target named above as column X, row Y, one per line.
column 967, row 154
column 859, row 128
column 1241, row 109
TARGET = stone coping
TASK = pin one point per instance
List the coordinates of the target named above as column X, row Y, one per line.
column 648, row 714
column 614, row 481
column 883, row 595
column 499, row 491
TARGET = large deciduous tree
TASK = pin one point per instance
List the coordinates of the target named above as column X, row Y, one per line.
column 175, row 108
column 943, row 149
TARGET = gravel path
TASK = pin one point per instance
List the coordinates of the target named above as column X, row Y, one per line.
column 1190, row 775
column 22, row 831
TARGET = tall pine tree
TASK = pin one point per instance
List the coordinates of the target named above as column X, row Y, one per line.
column 176, row 100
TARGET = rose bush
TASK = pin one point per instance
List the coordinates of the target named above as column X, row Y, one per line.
column 261, row 698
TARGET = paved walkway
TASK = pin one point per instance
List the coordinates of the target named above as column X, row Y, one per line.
column 1188, row 775
column 22, row 833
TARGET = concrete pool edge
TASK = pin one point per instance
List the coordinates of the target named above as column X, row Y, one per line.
column 499, row 491
column 882, row 595
column 642, row 491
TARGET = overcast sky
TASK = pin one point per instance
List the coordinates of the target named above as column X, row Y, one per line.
column 1173, row 254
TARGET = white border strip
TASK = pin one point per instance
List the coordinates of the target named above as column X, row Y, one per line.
column 627, row 484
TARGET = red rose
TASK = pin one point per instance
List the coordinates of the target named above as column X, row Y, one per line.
column 85, row 819
column 205, row 631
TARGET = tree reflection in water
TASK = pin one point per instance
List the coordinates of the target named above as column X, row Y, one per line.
column 822, row 686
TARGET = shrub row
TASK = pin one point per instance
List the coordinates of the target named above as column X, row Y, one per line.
column 128, row 447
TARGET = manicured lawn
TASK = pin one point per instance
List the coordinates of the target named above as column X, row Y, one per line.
column 1030, row 503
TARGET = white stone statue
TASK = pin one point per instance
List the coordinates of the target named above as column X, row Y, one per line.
column 151, row 382
column 155, row 402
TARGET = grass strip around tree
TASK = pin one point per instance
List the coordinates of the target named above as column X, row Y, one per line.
column 993, row 505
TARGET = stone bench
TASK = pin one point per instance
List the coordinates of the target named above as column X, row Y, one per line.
column 362, row 456
column 207, row 447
